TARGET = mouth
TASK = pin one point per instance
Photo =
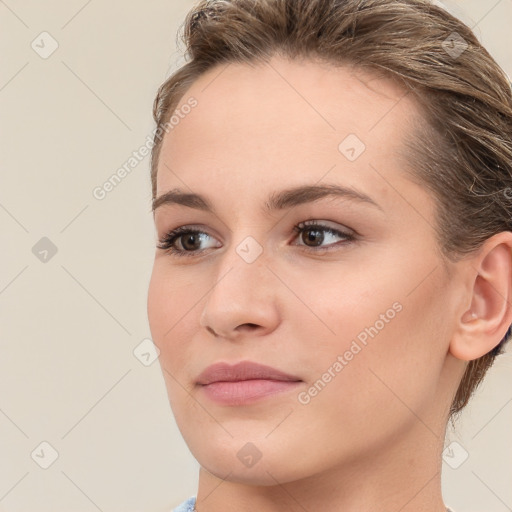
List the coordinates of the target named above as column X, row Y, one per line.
column 244, row 383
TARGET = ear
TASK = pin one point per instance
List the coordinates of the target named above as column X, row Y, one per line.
column 484, row 323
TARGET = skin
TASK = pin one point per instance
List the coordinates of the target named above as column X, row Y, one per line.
column 372, row 438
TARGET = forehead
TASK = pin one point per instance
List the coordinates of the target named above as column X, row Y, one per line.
column 284, row 119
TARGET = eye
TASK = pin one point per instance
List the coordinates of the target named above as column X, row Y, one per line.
column 187, row 241
column 184, row 241
column 313, row 234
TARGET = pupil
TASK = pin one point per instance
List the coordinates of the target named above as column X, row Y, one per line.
column 190, row 238
column 314, row 235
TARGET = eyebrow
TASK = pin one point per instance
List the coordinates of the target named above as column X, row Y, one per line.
column 281, row 200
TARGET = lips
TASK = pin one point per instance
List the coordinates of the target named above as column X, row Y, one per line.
column 244, row 383
column 245, row 370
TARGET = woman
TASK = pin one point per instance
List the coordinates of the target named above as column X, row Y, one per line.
column 331, row 194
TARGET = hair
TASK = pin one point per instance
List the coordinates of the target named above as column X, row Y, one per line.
column 462, row 152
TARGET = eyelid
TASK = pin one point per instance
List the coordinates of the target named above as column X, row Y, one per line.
column 174, row 234
column 349, row 235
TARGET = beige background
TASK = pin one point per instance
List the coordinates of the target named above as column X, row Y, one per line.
column 69, row 326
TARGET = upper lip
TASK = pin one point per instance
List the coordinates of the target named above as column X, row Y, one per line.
column 245, row 370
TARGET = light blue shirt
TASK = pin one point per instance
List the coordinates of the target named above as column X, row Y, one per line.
column 188, row 506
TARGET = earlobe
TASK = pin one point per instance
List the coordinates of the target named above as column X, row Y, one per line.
column 485, row 322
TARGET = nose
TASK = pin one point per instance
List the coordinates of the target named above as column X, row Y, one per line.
column 242, row 300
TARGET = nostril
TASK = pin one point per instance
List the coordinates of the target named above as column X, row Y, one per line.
column 249, row 325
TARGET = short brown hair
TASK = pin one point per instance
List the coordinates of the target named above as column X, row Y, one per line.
column 462, row 153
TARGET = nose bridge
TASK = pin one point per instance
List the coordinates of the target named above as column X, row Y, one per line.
column 242, row 275
column 244, row 267
column 242, row 292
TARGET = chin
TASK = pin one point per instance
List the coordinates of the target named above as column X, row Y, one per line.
column 264, row 474
column 261, row 464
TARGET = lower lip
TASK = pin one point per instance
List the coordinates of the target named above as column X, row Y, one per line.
column 246, row 391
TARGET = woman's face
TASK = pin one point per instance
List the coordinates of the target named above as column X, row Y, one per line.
column 356, row 306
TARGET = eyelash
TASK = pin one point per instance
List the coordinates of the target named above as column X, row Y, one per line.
column 168, row 240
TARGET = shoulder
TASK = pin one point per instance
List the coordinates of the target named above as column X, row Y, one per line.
column 186, row 506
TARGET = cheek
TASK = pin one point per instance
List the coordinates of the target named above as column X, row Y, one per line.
column 167, row 304
column 381, row 386
column 159, row 306
column 345, row 305
column 388, row 333
column 171, row 306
